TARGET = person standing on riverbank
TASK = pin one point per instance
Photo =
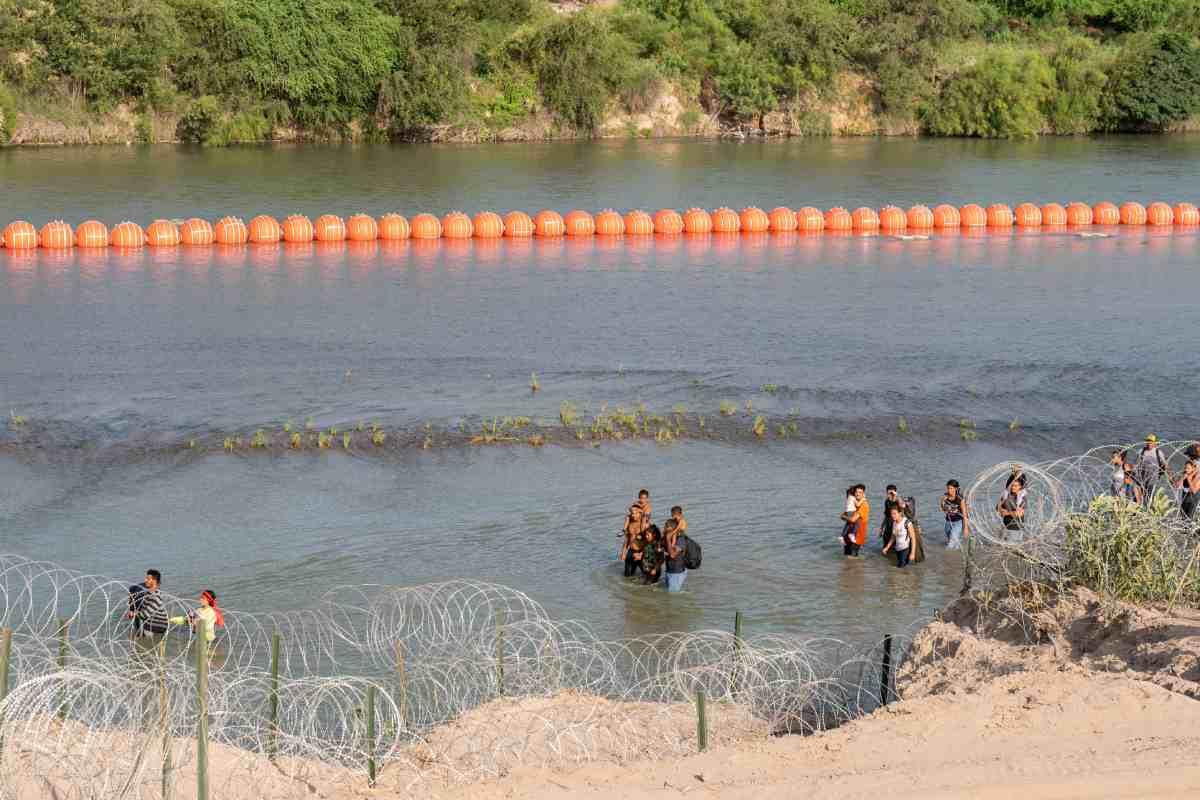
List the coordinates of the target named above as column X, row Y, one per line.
column 1151, row 465
column 1012, row 506
column 955, row 509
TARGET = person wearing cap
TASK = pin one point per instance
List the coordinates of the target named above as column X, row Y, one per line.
column 1151, row 465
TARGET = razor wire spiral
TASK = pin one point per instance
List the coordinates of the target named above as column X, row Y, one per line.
column 469, row 679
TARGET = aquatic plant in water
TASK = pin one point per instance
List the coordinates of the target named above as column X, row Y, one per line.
column 259, row 440
column 728, row 408
column 533, row 382
column 760, row 426
column 1016, row 423
column 567, row 413
column 15, row 419
column 902, row 425
column 770, row 388
column 378, row 437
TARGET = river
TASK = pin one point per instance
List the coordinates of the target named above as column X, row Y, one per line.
column 990, row 348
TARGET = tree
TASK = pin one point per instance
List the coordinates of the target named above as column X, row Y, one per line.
column 1000, row 97
column 1154, row 83
column 746, row 80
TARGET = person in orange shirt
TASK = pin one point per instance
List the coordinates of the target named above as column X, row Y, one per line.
column 856, row 539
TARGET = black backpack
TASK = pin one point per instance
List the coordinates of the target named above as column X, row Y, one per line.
column 691, row 553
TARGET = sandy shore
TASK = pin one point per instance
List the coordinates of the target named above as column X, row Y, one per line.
column 1102, row 704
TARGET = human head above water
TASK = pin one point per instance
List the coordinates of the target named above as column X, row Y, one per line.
column 860, row 491
column 891, row 488
column 896, row 512
column 643, row 494
column 153, row 579
column 208, row 598
column 676, row 511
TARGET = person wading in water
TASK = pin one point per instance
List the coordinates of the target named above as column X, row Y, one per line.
column 856, row 537
column 637, row 519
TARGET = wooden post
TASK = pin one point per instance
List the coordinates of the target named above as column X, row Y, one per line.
column 5, row 656
column 164, row 720
column 401, row 687
column 968, row 576
column 701, row 721
column 201, row 643
column 273, row 699
column 63, row 644
column 500, row 653
column 737, row 652
column 371, row 735
column 885, row 684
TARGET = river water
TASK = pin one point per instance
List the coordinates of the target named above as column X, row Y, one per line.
column 1037, row 345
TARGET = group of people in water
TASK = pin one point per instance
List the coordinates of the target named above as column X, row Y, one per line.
column 899, row 531
column 656, row 553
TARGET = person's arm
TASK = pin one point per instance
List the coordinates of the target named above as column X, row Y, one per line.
column 963, row 508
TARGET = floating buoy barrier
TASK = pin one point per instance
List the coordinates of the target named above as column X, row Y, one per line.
column 782, row 224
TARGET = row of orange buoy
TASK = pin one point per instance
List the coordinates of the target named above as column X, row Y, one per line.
column 21, row 235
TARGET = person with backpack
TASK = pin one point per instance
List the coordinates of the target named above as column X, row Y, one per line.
column 891, row 499
column 1151, row 465
column 902, row 537
column 682, row 554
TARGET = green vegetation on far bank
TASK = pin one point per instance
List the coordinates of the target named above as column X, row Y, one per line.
column 223, row 71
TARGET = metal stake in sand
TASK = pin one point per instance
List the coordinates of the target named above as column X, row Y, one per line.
column 63, row 632
column 500, row 653
column 737, row 652
column 201, row 643
column 967, row 576
column 701, row 721
column 273, row 698
column 885, row 673
column 164, row 720
column 370, row 735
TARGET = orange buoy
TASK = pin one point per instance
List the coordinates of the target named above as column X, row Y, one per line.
column 230, row 230
column 91, row 234
column 127, row 234
column 609, row 223
column 1054, row 214
column 548, row 224
column 782, row 220
column 1133, row 213
column 329, row 228
column 20, row 235
column 488, row 225
column 697, row 221
column 362, row 228
column 892, row 219
column 198, row 232
column 457, row 225
column 162, row 233
column 1186, row 214
column 579, row 223
column 945, row 216
column 726, row 220
column 838, row 219
column 1027, row 215
column 810, row 220
column 920, row 218
column 1078, row 214
column 57, row 235
column 1157, row 213
column 394, row 227
column 297, row 228
column 972, row 216
column 999, row 216
column 667, row 222
column 755, row 220
column 864, row 219
column 426, row 226
column 638, row 223
column 518, row 225
column 1105, row 213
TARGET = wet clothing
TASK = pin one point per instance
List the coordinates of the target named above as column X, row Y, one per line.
column 902, row 535
column 885, row 527
column 953, row 507
column 902, row 557
column 1011, row 503
column 860, row 529
column 676, row 568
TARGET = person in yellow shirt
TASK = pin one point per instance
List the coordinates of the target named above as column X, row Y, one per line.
column 208, row 613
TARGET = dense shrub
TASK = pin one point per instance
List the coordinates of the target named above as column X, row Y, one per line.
column 1000, row 97
column 1154, row 83
column 1075, row 105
